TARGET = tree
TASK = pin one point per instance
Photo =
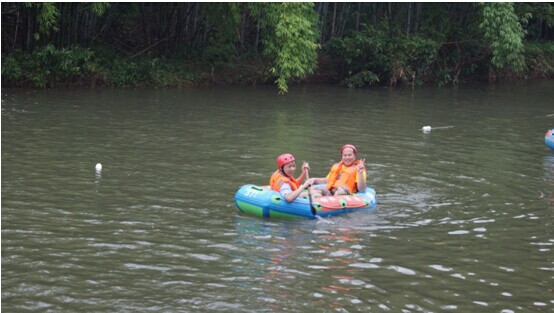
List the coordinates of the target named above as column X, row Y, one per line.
column 290, row 39
column 505, row 35
column 361, row 43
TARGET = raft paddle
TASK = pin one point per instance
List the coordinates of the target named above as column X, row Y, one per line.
column 314, row 211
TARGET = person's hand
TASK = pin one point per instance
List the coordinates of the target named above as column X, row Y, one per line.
column 309, row 183
column 361, row 166
column 305, row 166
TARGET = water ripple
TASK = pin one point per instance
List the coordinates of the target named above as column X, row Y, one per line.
column 459, row 225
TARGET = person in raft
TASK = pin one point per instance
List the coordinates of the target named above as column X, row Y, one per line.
column 346, row 177
column 283, row 180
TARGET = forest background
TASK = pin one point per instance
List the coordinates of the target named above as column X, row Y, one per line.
column 358, row 44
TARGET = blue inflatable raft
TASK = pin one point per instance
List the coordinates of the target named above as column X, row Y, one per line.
column 549, row 138
column 261, row 201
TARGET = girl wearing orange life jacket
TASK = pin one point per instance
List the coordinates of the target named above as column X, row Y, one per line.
column 346, row 177
column 283, row 180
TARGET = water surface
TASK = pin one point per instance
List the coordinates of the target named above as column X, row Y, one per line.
column 464, row 221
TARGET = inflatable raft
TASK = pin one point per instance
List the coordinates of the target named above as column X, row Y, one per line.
column 549, row 138
column 261, row 201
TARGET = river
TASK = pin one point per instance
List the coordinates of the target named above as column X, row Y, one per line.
column 464, row 221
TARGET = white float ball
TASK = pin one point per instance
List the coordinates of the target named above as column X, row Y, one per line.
column 426, row 129
column 98, row 167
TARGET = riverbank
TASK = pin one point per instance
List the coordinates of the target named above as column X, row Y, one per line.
column 49, row 67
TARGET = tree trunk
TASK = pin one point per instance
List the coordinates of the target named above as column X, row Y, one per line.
column 319, row 10
column 343, row 19
column 374, row 14
column 358, row 16
column 324, row 21
column 143, row 24
column 78, row 27
column 28, row 33
column 389, row 18
column 334, row 21
column 409, row 22
column 16, row 28
column 242, row 26
column 419, row 9
column 70, row 25
column 539, row 33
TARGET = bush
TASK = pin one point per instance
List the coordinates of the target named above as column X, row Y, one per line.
column 370, row 56
column 11, row 69
column 539, row 57
column 47, row 66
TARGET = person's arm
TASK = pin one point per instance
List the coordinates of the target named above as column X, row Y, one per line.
column 315, row 180
column 324, row 180
column 320, row 180
column 294, row 194
column 361, row 183
column 304, row 174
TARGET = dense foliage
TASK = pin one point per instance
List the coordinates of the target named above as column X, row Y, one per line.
column 357, row 44
column 503, row 31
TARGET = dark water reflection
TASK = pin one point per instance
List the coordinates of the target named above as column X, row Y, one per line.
column 464, row 222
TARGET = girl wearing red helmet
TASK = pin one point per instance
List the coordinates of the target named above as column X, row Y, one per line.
column 283, row 180
column 346, row 177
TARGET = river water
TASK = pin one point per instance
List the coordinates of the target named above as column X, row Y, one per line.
column 464, row 221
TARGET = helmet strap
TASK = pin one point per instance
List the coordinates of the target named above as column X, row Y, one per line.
column 282, row 170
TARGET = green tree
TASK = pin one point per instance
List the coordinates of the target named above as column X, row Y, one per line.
column 505, row 35
column 47, row 15
column 129, row 44
column 290, row 39
column 222, row 24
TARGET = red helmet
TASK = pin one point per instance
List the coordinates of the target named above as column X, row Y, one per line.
column 284, row 159
column 351, row 147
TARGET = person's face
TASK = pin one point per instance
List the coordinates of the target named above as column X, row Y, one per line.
column 289, row 168
column 348, row 156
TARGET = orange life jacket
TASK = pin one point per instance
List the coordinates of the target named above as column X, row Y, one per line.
column 278, row 179
column 345, row 176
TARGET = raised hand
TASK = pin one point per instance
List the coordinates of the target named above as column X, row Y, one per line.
column 305, row 166
column 361, row 166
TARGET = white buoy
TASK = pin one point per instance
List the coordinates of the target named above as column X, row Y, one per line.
column 426, row 129
column 98, row 167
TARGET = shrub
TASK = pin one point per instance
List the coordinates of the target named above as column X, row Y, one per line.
column 370, row 56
